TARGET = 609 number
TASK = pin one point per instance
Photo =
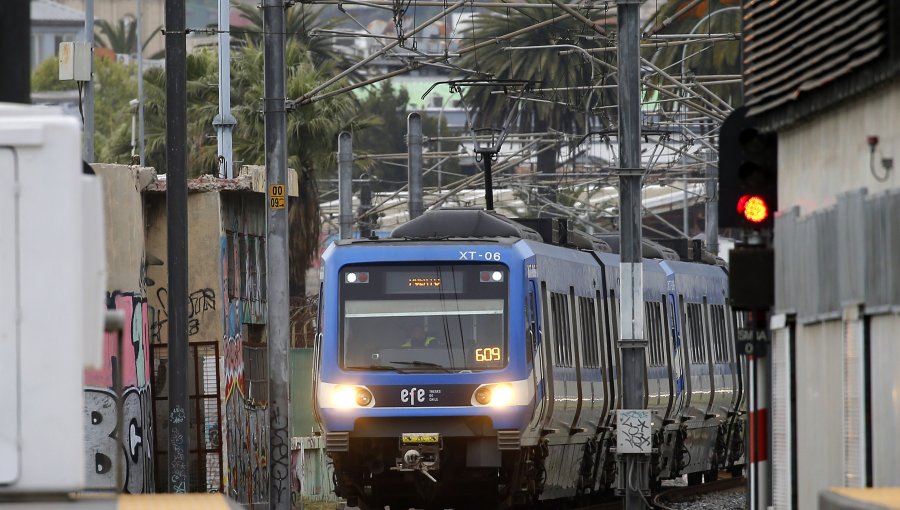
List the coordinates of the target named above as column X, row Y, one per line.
column 487, row 354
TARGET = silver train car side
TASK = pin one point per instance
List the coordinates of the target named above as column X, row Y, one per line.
column 464, row 361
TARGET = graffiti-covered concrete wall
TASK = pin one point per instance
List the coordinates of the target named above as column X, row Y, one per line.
column 205, row 299
column 242, row 259
column 122, row 186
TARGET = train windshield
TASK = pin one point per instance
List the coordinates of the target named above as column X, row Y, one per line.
column 424, row 317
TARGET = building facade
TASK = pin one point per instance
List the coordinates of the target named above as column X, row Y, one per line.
column 829, row 88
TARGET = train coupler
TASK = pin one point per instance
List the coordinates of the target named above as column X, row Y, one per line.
column 419, row 452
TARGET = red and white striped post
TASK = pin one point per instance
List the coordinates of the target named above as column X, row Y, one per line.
column 758, row 469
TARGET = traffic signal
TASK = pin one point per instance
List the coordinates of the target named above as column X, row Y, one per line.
column 748, row 173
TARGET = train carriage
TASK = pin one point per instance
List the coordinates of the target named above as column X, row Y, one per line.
column 464, row 361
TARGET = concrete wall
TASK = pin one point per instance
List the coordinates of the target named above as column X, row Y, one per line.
column 829, row 154
column 204, row 272
column 124, row 220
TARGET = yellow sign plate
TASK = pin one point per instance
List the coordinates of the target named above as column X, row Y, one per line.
column 276, row 196
column 420, row 438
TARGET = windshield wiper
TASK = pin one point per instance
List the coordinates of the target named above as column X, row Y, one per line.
column 422, row 364
column 374, row 367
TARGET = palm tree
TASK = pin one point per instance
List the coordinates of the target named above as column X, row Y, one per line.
column 702, row 58
column 559, row 110
column 299, row 21
column 121, row 38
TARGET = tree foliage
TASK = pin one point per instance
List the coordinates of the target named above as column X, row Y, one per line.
column 701, row 58
column 559, row 110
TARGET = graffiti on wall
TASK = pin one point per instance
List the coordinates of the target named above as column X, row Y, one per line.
column 247, row 427
column 103, row 443
column 201, row 307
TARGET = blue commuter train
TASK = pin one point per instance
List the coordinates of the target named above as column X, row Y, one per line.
column 466, row 362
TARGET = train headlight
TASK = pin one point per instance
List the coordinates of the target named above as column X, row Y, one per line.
column 346, row 397
column 494, row 395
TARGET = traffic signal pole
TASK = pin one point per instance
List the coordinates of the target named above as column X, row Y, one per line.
column 631, row 311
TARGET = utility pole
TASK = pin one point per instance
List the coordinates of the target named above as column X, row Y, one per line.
column 15, row 32
column 277, row 278
column 632, row 463
column 177, row 237
column 345, row 183
column 712, row 204
column 88, row 107
column 224, row 121
column 139, row 30
column 414, row 164
column 364, row 219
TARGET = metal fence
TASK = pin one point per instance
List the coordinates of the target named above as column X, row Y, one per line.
column 204, row 442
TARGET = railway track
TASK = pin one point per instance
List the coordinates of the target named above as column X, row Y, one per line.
column 662, row 500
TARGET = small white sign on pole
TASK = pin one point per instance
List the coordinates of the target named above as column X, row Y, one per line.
column 633, row 431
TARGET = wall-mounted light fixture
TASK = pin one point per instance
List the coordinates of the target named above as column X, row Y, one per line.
column 886, row 163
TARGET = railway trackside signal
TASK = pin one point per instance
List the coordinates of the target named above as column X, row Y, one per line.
column 748, row 174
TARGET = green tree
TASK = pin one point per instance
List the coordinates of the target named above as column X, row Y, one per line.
column 559, row 110
column 115, row 86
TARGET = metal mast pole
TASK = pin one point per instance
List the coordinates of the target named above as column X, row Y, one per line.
column 414, row 143
column 140, row 77
column 277, row 278
column 89, row 86
column 177, row 237
column 488, row 181
column 345, row 183
column 224, row 121
column 712, row 204
column 631, row 313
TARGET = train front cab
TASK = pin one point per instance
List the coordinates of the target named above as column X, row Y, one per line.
column 413, row 415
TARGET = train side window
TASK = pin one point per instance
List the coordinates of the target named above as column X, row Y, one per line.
column 614, row 314
column 589, row 332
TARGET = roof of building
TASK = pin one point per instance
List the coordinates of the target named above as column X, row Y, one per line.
column 49, row 12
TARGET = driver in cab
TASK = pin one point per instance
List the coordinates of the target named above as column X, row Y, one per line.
column 418, row 338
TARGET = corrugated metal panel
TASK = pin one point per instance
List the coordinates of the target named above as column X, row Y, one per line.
column 808, row 270
column 827, row 242
column 786, row 261
column 851, row 247
column 878, row 259
column 782, row 430
column 793, row 46
column 892, row 242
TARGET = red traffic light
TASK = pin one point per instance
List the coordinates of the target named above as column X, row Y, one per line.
column 753, row 208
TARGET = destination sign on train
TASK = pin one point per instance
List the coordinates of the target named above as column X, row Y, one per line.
column 418, row 282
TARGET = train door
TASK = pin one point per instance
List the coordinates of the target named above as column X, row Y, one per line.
column 577, row 340
column 545, row 352
column 706, row 337
column 317, row 355
column 682, row 359
column 668, row 339
column 535, row 357
column 602, row 386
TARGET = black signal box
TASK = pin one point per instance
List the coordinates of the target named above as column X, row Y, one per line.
column 751, row 278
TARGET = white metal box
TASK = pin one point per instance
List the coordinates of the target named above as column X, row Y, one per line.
column 75, row 61
column 50, row 299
